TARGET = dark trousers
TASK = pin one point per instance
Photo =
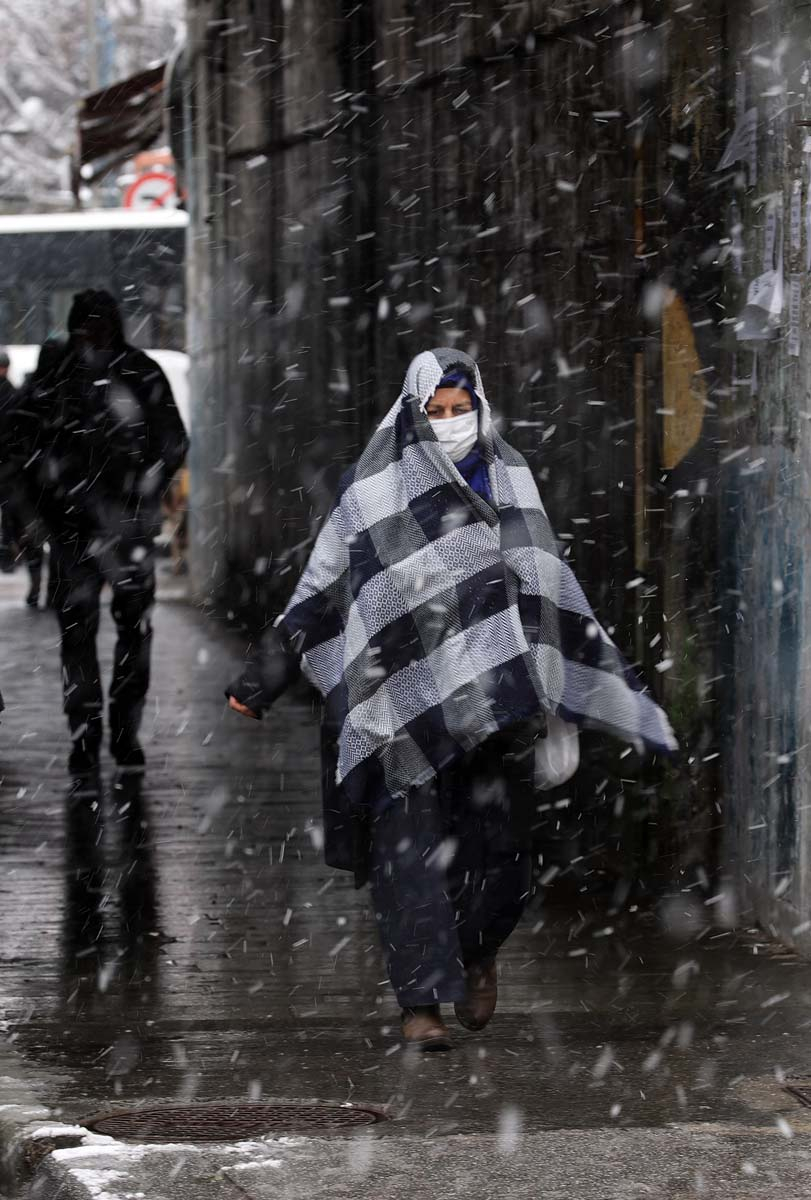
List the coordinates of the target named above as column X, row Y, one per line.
column 80, row 570
column 451, row 870
column 22, row 532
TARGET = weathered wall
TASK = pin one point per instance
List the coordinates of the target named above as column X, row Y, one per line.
column 765, row 489
column 368, row 180
column 679, row 230
column 364, row 187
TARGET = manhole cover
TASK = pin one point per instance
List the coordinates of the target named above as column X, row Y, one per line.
column 801, row 1092
column 230, row 1122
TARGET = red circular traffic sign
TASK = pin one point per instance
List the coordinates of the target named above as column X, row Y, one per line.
column 153, row 189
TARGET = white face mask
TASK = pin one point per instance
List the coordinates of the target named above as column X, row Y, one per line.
column 457, row 435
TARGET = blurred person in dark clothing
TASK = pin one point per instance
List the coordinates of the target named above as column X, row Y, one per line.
column 100, row 438
column 7, row 388
column 8, row 395
column 23, row 540
column 20, row 535
column 23, row 529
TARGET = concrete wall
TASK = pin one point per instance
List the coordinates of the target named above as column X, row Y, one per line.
column 364, row 185
column 765, row 489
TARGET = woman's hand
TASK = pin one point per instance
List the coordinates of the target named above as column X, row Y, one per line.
column 241, row 708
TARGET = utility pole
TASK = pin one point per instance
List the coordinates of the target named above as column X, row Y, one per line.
column 91, row 19
column 100, row 45
column 105, row 42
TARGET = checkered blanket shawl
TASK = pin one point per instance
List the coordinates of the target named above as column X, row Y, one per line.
column 429, row 619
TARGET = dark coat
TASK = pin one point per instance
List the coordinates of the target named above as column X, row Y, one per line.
column 91, row 446
column 7, row 392
column 8, row 399
column 8, row 406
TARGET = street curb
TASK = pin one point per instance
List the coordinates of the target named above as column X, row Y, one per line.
column 29, row 1130
column 18, row 1124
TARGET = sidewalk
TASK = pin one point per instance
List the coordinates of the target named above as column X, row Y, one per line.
column 191, row 946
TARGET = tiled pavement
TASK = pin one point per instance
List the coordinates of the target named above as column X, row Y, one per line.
column 190, row 944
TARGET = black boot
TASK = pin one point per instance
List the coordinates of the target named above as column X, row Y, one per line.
column 32, row 599
column 125, row 747
column 83, row 762
column 424, row 1029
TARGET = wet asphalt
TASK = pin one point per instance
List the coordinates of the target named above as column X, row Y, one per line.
column 184, row 941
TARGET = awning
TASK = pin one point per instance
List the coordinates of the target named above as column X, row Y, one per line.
column 119, row 121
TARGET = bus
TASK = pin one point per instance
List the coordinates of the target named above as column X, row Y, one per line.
column 137, row 255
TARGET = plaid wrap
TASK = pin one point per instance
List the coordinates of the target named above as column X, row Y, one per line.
column 429, row 619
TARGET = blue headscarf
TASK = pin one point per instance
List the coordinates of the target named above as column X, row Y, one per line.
column 472, row 467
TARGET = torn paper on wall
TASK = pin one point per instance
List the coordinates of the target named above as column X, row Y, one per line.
column 762, row 314
column 807, row 148
column 770, row 237
column 740, row 93
column 742, row 146
column 736, row 238
column 796, row 222
column 795, row 294
column 760, row 318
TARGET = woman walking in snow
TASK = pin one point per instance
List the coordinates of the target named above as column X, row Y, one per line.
column 443, row 631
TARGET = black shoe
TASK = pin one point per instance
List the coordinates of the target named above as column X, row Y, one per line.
column 35, row 584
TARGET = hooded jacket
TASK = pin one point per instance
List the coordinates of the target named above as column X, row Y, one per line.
column 96, row 438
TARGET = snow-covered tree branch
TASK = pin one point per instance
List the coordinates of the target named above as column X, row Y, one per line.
column 54, row 55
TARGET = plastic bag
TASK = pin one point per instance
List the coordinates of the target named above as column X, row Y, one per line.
column 557, row 756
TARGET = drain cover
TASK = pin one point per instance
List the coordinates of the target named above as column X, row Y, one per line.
column 801, row 1092
column 230, row 1122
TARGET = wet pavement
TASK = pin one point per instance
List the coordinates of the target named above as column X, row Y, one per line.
column 186, row 942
